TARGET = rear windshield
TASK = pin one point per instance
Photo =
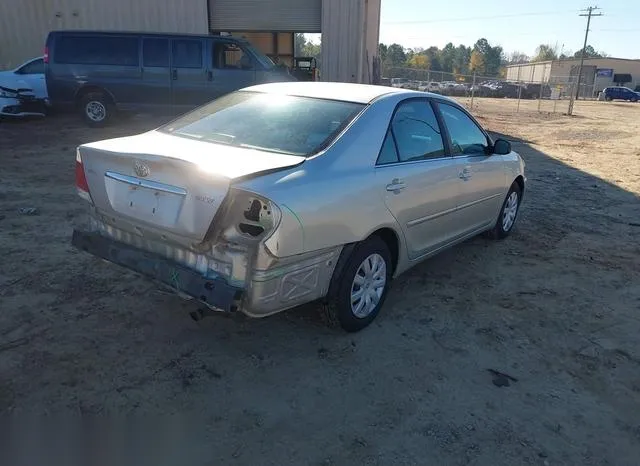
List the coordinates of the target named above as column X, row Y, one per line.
column 276, row 123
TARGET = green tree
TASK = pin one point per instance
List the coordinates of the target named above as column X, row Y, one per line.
column 589, row 52
column 545, row 52
column 461, row 60
column 448, row 57
column 396, row 56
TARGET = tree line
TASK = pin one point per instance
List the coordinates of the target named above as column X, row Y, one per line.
column 482, row 59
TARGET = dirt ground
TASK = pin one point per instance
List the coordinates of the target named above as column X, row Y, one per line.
column 556, row 307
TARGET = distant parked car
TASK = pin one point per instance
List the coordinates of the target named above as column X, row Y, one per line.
column 398, row 82
column 620, row 93
column 282, row 194
column 29, row 75
column 99, row 73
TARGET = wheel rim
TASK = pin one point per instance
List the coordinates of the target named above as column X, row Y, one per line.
column 368, row 285
column 510, row 211
column 96, row 111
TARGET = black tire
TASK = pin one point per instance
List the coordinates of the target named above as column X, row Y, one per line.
column 499, row 231
column 96, row 109
column 337, row 307
column 634, row 99
column 608, row 99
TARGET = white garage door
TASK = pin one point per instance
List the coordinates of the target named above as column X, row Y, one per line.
column 265, row 15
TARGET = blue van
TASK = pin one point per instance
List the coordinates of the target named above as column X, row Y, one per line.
column 100, row 73
column 620, row 93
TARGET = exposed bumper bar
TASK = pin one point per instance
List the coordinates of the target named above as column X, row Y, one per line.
column 213, row 292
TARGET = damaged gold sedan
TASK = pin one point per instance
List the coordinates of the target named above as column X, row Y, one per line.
column 282, row 194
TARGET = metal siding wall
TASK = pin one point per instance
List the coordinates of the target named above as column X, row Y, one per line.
column 24, row 24
column 262, row 15
column 341, row 25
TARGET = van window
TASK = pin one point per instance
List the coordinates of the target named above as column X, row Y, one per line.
column 155, row 52
column 227, row 55
column 187, row 53
column 97, row 50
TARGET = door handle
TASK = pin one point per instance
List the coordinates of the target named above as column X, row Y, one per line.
column 396, row 186
column 209, row 75
column 174, row 75
column 465, row 174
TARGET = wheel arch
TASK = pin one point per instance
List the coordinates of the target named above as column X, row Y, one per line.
column 89, row 88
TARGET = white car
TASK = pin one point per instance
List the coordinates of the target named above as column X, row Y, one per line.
column 29, row 75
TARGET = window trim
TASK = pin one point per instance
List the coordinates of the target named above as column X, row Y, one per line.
column 437, row 103
column 429, row 102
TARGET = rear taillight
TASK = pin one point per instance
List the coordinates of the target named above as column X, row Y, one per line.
column 46, row 55
column 81, row 180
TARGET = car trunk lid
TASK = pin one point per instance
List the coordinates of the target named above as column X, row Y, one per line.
column 170, row 183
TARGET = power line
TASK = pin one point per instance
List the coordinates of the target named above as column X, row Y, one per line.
column 589, row 13
column 475, row 18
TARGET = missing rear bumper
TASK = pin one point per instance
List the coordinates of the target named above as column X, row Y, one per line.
column 216, row 293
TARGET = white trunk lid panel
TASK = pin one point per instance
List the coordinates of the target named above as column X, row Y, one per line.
column 168, row 182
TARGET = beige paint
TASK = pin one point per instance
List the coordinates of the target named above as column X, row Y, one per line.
column 24, row 24
column 350, row 35
column 560, row 70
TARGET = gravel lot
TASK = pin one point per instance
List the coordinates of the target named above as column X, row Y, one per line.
column 555, row 306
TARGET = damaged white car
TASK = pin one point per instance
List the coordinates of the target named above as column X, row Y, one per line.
column 282, row 194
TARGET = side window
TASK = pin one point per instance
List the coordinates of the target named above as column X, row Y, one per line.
column 227, row 55
column 187, row 53
column 97, row 50
column 416, row 131
column 35, row 67
column 466, row 137
column 388, row 153
column 155, row 52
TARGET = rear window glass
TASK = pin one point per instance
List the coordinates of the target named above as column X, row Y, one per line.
column 97, row 50
column 276, row 123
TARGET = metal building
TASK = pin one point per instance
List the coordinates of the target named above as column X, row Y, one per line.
column 597, row 73
column 350, row 28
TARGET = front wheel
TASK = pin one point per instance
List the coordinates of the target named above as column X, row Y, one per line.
column 508, row 213
column 362, row 286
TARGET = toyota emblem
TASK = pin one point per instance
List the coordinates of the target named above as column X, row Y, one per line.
column 141, row 169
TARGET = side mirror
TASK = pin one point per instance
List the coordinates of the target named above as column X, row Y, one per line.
column 501, row 147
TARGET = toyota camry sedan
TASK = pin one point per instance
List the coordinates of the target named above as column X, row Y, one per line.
column 282, row 194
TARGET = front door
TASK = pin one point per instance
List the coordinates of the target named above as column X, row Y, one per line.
column 189, row 77
column 482, row 175
column 417, row 179
column 233, row 67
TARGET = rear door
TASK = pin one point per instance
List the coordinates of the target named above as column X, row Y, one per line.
column 189, row 78
column 416, row 177
column 482, row 178
column 156, row 72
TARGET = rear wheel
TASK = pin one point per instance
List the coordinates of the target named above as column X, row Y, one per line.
column 608, row 98
column 508, row 213
column 96, row 108
column 362, row 286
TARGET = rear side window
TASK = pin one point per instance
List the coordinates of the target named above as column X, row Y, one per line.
column 97, row 50
column 187, row 53
column 416, row 131
column 155, row 52
column 35, row 67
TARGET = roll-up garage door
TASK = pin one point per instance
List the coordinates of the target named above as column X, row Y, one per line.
column 265, row 15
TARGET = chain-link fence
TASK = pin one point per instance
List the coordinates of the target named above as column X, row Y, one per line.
column 482, row 92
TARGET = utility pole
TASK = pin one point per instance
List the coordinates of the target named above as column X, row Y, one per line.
column 589, row 13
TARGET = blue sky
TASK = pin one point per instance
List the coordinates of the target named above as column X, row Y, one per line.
column 514, row 25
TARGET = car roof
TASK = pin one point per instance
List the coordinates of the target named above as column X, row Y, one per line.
column 347, row 92
column 81, row 32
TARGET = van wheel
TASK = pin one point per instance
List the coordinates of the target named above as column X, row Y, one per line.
column 96, row 109
column 362, row 286
column 608, row 98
